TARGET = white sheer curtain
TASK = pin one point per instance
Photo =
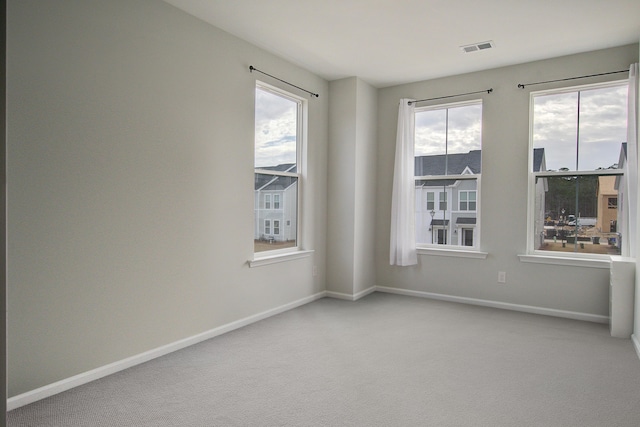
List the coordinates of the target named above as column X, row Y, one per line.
column 403, row 235
column 631, row 171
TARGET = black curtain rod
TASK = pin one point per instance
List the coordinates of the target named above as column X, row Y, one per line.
column 522, row 85
column 252, row 69
column 451, row 96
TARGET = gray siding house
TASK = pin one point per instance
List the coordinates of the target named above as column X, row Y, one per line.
column 276, row 204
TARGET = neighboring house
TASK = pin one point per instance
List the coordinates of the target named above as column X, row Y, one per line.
column 276, row 203
column 622, row 217
column 542, row 187
column 607, row 204
column 447, row 210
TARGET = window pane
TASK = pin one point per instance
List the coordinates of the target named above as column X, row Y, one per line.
column 603, row 127
column 573, row 215
column 465, row 129
column 448, row 130
column 443, row 200
column 283, row 221
column 430, row 137
column 581, row 130
column 430, row 201
column 555, row 119
column 276, row 130
column 448, row 141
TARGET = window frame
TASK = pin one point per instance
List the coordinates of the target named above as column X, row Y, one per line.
column 557, row 257
column 468, row 201
column 431, row 204
column 277, row 255
column 442, row 201
column 453, row 249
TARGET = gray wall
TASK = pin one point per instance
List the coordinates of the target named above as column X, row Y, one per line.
column 352, row 190
column 636, row 322
column 504, row 192
column 130, row 170
column 3, row 213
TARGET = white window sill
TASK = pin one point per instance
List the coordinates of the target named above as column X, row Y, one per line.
column 603, row 262
column 276, row 258
column 452, row 252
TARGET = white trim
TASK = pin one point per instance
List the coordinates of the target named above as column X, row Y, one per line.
column 276, row 258
column 603, row 263
column 497, row 304
column 451, row 252
column 349, row 297
column 112, row 368
column 636, row 344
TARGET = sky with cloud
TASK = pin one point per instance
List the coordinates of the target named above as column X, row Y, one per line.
column 275, row 135
column 463, row 134
column 602, row 128
column 588, row 144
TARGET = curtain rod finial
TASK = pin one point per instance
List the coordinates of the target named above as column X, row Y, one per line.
column 251, row 68
column 520, row 85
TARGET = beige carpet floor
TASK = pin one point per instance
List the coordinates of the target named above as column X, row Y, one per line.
column 386, row 360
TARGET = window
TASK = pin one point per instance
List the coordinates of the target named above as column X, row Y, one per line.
column 278, row 134
column 577, row 142
column 430, row 201
column 467, row 201
column 448, row 160
column 443, row 201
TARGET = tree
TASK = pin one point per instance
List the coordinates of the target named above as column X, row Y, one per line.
column 562, row 195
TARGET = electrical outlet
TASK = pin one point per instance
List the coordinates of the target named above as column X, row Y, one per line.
column 502, row 277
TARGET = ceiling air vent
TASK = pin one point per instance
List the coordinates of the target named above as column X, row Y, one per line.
column 477, row 46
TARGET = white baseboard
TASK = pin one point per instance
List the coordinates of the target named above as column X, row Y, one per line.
column 349, row 297
column 636, row 344
column 497, row 304
column 112, row 368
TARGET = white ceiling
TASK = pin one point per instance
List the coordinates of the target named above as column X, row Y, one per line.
column 388, row 42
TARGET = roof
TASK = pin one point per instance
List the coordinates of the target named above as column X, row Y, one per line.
column 266, row 182
column 456, row 164
column 538, row 160
column 464, row 220
column 449, row 164
column 441, row 222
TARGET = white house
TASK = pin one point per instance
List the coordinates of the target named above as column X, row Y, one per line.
column 541, row 188
column 446, row 210
column 276, row 203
